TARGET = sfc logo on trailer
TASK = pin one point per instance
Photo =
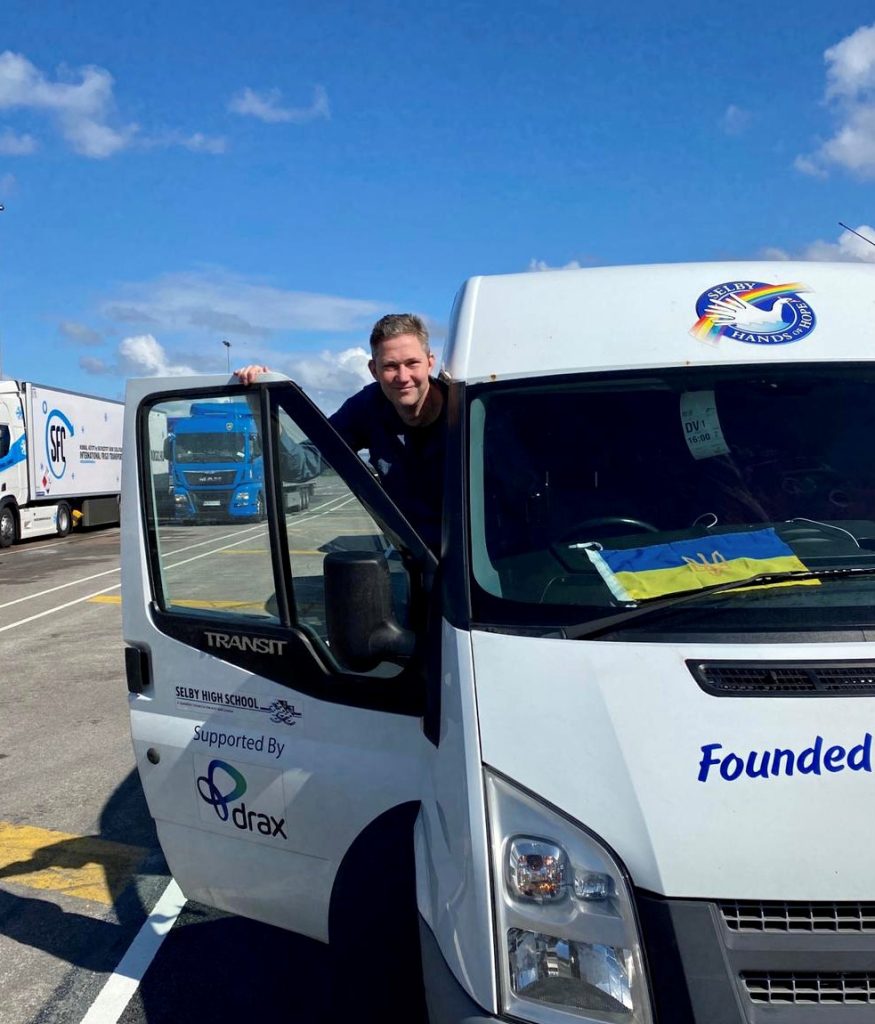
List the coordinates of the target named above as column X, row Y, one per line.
column 58, row 429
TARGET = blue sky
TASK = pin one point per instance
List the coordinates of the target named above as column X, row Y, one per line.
column 281, row 174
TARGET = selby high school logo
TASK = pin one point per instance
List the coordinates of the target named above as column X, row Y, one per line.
column 753, row 312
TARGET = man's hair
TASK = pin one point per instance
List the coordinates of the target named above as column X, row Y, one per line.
column 394, row 324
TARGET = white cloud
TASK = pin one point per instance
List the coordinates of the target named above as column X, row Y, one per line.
column 851, row 64
column 222, row 303
column 7, row 184
column 12, row 144
column 79, row 333
column 142, row 355
column 848, row 247
column 538, row 265
column 267, row 106
column 82, row 106
column 200, row 143
column 735, row 120
column 329, row 377
column 850, row 93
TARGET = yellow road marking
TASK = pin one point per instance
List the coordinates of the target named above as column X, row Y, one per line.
column 187, row 602
column 264, row 551
column 86, row 867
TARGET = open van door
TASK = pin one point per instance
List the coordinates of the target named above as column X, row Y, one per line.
column 277, row 692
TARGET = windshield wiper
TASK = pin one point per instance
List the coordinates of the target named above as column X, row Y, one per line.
column 586, row 630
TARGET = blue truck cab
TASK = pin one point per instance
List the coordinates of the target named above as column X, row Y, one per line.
column 216, row 463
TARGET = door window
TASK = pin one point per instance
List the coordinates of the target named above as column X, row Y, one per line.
column 240, row 532
column 208, row 509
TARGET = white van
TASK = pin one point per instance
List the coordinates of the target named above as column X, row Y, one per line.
column 612, row 755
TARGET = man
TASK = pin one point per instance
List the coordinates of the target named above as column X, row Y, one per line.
column 400, row 419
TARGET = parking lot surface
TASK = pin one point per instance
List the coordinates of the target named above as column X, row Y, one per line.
column 80, row 866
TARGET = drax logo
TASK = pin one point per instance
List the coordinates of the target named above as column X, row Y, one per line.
column 224, row 785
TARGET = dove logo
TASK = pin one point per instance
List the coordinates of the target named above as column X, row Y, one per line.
column 753, row 312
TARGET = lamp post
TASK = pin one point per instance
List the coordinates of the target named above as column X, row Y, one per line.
column 227, row 345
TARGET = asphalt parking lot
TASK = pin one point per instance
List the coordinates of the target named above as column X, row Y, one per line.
column 80, row 866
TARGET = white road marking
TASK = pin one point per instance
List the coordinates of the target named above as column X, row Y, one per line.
column 109, row 572
column 204, row 554
column 121, row 985
column 58, row 608
column 60, row 586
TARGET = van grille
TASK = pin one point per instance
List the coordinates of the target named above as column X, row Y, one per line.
column 858, row 918
column 800, row 679
column 817, row 988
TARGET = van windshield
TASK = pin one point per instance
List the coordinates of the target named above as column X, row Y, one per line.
column 597, row 493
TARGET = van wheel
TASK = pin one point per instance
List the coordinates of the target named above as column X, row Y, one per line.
column 64, row 520
column 8, row 527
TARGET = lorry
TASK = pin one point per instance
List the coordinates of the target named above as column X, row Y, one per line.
column 60, row 460
column 610, row 757
column 216, row 467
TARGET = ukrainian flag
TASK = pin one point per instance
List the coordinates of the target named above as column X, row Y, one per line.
column 639, row 574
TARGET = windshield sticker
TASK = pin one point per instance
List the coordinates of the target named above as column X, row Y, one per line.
column 702, row 430
column 753, row 312
column 764, row 764
column 640, row 574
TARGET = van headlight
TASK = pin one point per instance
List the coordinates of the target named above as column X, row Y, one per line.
column 568, row 941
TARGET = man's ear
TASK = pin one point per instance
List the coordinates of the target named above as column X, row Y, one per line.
column 430, row 361
column 372, row 366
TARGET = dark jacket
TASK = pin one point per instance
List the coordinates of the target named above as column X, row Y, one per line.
column 409, row 461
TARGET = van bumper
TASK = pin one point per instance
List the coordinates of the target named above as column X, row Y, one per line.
column 448, row 1002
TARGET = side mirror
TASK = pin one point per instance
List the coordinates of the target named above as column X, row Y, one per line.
column 168, row 447
column 362, row 629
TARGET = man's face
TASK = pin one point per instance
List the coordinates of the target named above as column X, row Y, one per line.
column 401, row 368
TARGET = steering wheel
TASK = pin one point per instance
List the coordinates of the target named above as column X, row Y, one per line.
column 580, row 529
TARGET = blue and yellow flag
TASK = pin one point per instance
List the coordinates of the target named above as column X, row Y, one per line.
column 638, row 574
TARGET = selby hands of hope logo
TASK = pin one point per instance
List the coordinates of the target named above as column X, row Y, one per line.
column 753, row 312
column 222, row 786
column 765, row 764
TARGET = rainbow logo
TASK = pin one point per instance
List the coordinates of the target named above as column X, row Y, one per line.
column 753, row 312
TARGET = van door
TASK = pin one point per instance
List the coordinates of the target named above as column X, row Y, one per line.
column 266, row 739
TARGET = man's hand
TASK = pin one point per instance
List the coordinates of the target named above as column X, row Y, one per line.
column 250, row 374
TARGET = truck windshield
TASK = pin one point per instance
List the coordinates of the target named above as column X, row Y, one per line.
column 210, row 447
column 597, row 493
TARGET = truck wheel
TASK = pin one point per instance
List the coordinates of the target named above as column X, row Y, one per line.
column 259, row 508
column 8, row 527
column 64, row 520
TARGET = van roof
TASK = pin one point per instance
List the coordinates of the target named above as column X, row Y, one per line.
column 686, row 314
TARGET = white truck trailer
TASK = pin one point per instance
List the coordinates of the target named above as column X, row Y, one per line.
column 60, row 460
column 612, row 760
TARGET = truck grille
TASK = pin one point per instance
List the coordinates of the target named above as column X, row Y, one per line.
column 205, row 501
column 799, row 679
column 202, row 478
column 788, row 918
column 817, row 988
